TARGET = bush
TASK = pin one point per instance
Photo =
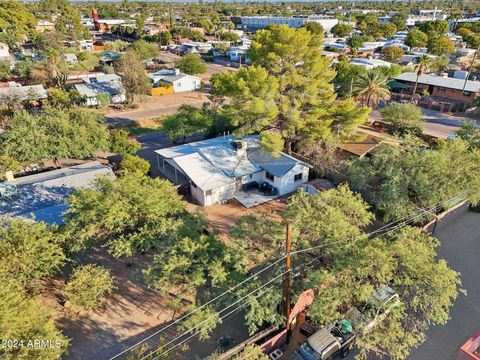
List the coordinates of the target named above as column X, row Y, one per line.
column 121, row 143
column 88, row 286
column 191, row 64
column 403, row 118
column 134, row 164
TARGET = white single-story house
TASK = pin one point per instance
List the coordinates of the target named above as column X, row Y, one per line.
column 224, row 167
column 5, row 55
column 70, row 58
column 181, row 82
column 196, row 47
column 110, row 84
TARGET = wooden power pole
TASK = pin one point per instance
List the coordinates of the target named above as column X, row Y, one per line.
column 288, row 249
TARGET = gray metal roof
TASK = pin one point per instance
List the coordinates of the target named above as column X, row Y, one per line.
column 321, row 340
column 435, row 80
column 43, row 195
column 91, row 90
column 33, row 92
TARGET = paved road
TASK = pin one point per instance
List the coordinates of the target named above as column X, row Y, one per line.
column 459, row 235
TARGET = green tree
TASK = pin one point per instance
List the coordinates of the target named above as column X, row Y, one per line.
column 441, row 45
column 88, row 286
column 204, row 321
column 134, row 164
column 67, row 19
column 15, row 19
column 433, row 28
column 191, row 64
column 347, row 75
column 134, row 78
column 53, row 133
column 315, row 28
column 5, row 71
column 470, row 132
column 440, row 63
column 28, row 251
column 403, row 118
column 389, row 29
column 355, row 42
column 145, row 50
column 230, row 36
column 416, row 38
column 121, row 143
column 399, row 20
column 371, row 88
column 392, row 54
column 87, row 61
column 26, row 318
column 341, row 29
column 132, row 213
column 186, row 122
column 165, row 38
column 58, row 98
column 286, row 90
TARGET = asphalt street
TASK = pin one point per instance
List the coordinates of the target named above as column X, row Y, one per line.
column 459, row 235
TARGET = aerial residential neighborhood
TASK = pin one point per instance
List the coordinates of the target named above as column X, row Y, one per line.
column 206, row 180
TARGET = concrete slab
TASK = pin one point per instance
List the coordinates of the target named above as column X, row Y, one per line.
column 252, row 198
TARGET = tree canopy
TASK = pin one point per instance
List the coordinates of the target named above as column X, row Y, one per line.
column 191, row 64
column 416, row 38
column 15, row 19
column 53, row 133
column 287, row 90
column 403, row 118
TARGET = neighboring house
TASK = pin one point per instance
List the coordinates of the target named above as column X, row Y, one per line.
column 44, row 25
column 95, row 87
column 70, row 58
column 43, row 196
column 180, row 82
column 196, row 47
column 82, row 45
column 14, row 91
column 27, row 49
column 446, row 93
column 254, row 23
column 108, row 57
column 238, row 54
column 366, row 144
column 223, row 168
column 369, row 63
column 105, row 25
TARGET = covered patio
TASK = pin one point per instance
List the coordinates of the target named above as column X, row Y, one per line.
column 252, row 197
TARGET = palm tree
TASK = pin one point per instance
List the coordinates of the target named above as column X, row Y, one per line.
column 371, row 87
column 423, row 62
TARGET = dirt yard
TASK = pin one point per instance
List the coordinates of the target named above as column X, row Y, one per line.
column 125, row 317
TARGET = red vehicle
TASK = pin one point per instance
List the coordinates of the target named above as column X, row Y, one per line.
column 471, row 349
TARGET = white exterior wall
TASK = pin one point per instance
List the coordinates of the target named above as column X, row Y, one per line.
column 217, row 195
column 187, row 83
column 286, row 183
column 260, row 22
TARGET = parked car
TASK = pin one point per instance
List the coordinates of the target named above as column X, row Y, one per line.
column 366, row 316
column 327, row 343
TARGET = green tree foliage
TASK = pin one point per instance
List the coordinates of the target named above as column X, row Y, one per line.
column 15, row 19
column 327, row 216
column 67, row 19
column 134, row 78
column 145, row 50
column 230, row 36
column 117, row 45
column 403, row 118
column 399, row 180
column 315, row 28
column 28, row 251
column 347, row 75
column 287, row 88
column 87, row 61
column 416, row 38
column 5, row 71
column 371, row 88
column 191, row 64
column 133, row 214
column 441, row 45
column 134, row 164
column 26, row 318
column 204, row 321
column 58, row 98
column 392, row 54
column 406, row 260
column 440, row 63
column 433, row 28
column 399, row 20
column 88, row 286
column 470, row 132
column 251, row 352
column 355, row 42
column 53, row 133
column 341, row 29
column 121, row 143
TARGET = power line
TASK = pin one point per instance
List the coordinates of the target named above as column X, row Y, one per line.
column 406, row 221
column 216, row 314
column 198, row 308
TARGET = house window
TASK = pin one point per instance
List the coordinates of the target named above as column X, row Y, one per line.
column 298, row 177
column 269, row 176
column 467, row 93
column 208, row 192
column 179, row 84
column 193, row 184
column 442, row 89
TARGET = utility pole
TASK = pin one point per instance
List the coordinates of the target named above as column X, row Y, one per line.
column 288, row 249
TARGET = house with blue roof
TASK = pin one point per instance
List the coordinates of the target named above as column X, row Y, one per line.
column 222, row 168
